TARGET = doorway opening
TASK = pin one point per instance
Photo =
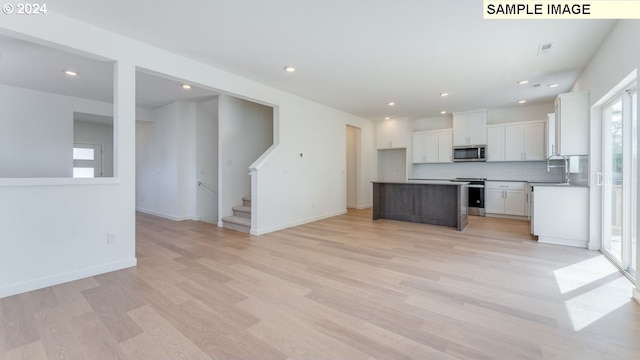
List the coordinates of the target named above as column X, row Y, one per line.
column 353, row 165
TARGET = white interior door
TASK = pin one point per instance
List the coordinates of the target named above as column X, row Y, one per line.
column 87, row 160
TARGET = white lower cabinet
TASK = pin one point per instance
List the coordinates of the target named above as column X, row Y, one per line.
column 505, row 198
column 561, row 215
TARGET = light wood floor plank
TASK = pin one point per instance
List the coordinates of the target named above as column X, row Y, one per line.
column 32, row 351
column 164, row 336
column 341, row 288
column 18, row 321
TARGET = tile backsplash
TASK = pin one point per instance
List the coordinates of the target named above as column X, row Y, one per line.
column 526, row 171
column 579, row 170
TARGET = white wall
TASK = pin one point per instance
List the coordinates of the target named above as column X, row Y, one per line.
column 207, row 161
column 36, row 132
column 437, row 123
column 295, row 190
column 392, row 164
column 166, row 170
column 302, row 189
column 521, row 171
column 246, row 132
column 520, row 113
column 55, row 230
column 85, row 132
column 618, row 56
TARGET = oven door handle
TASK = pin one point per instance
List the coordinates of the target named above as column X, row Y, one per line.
column 476, row 186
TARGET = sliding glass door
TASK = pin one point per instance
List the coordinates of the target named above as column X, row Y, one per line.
column 618, row 179
column 633, row 265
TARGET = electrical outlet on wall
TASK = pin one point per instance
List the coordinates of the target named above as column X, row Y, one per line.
column 111, row 238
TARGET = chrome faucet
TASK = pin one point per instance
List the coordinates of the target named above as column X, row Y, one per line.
column 565, row 166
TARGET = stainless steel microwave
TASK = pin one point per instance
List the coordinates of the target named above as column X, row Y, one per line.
column 470, row 153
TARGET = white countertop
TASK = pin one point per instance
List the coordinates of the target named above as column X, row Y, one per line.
column 425, row 182
column 556, row 184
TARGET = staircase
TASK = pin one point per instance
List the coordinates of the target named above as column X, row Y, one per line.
column 241, row 219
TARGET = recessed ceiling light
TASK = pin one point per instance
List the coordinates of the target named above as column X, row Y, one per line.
column 522, row 101
column 443, row 112
column 289, row 69
column 522, row 82
column 70, row 73
column 444, row 94
column 391, row 103
column 186, row 86
column 553, row 85
column 387, row 118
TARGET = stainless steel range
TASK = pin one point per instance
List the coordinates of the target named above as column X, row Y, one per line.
column 475, row 195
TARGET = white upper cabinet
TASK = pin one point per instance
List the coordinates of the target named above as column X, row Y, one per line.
column 550, row 136
column 432, row 146
column 495, row 143
column 470, row 128
column 572, row 123
column 445, row 146
column 392, row 134
column 533, row 141
column 516, row 142
column 513, row 142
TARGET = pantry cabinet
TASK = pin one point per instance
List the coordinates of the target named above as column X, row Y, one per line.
column 432, row 146
column 516, row 142
column 470, row 128
column 572, row 123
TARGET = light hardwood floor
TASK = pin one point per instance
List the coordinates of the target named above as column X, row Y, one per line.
column 341, row 288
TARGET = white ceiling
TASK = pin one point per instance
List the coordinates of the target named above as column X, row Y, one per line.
column 32, row 66
column 357, row 55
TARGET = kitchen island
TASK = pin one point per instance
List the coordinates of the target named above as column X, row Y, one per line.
column 428, row 202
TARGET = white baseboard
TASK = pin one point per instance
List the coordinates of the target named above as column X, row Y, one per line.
column 560, row 241
column 166, row 216
column 269, row 229
column 636, row 294
column 362, row 207
column 51, row 280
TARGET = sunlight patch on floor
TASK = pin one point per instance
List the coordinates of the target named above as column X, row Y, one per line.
column 594, row 288
column 575, row 276
column 589, row 307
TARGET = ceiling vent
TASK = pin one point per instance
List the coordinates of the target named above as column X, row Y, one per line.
column 535, row 86
column 544, row 49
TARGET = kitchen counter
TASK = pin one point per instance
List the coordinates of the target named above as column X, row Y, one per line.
column 557, row 184
column 438, row 202
column 560, row 215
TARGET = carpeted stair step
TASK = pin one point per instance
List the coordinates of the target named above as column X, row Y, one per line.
column 242, row 211
column 237, row 223
column 246, row 201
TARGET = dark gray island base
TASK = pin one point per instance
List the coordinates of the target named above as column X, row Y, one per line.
column 428, row 202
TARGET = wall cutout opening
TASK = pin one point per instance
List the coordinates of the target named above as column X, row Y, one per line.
column 46, row 111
